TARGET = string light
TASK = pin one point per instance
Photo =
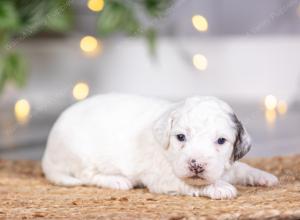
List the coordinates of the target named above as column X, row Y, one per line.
column 200, row 23
column 90, row 45
column 282, row 107
column 80, row 91
column 270, row 116
column 22, row 111
column 200, row 61
column 95, row 5
column 270, row 102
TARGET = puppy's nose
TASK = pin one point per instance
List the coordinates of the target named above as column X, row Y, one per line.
column 196, row 167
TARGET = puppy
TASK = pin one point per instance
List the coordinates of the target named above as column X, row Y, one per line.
column 123, row 141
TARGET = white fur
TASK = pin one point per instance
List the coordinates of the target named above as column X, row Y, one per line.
column 122, row 141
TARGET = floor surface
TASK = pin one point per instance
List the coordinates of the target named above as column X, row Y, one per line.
column 25, row 194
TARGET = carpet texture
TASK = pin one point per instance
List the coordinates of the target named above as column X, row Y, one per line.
column 25, row 194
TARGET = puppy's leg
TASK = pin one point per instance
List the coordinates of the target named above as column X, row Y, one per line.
column 112, row 181
column 166, row 184
column 91, row 176
column 174, row 186
column 241, row 173
column 219, row 190
column 62, row 179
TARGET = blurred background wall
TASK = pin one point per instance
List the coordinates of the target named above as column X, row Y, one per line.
column 246, row 52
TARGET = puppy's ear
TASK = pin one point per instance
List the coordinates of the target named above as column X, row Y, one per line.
column 242, row 142
column 162, row 128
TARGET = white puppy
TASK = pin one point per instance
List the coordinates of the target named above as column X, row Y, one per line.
column 122, row 141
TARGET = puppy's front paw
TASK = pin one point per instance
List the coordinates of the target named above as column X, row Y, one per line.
column 120, row 183
column 220, row 190
column 261, row 178
column 113, row 182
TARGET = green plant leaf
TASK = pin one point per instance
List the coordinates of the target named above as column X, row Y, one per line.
column 117, row 17
column 156, row 8
column 32, row 15
column 59, row 17
column 25, row 18
column 121, row 16
column 4, row 36
column 8, row 16
column 151, row 39
column 12, row 68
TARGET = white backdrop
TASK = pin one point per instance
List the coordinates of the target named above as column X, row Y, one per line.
column 239, row 69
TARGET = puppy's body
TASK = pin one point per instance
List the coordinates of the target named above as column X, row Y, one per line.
column 104, row 135
column 123, row 141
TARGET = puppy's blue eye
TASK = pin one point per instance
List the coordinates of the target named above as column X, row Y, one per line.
column 181, row 137
column 221, row 141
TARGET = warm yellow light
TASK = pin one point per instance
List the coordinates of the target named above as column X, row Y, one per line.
column 200, row 61
column 270, row 102
column 282, row 107
column 270, row 116
column 89, row 44
column 200, row 23
column 22, row 111
column 95, row 5
column 80, row 91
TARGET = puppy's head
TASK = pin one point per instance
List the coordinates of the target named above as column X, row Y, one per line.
column 201, row 138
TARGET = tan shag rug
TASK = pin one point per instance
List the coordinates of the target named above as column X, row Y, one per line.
column 25, row 194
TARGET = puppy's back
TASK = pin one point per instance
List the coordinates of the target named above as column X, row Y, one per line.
column 101, row 125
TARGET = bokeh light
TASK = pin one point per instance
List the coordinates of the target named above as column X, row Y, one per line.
column 270, row 116
column 270, row 102
column 81, row 91
column 200, row 61
column 22, row 111
column 282, row 107
column 96, row 5
column 90, row 44
column 200, row 23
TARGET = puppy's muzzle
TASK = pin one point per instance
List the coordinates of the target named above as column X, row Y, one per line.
column 195, row 167
column 196, row 176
